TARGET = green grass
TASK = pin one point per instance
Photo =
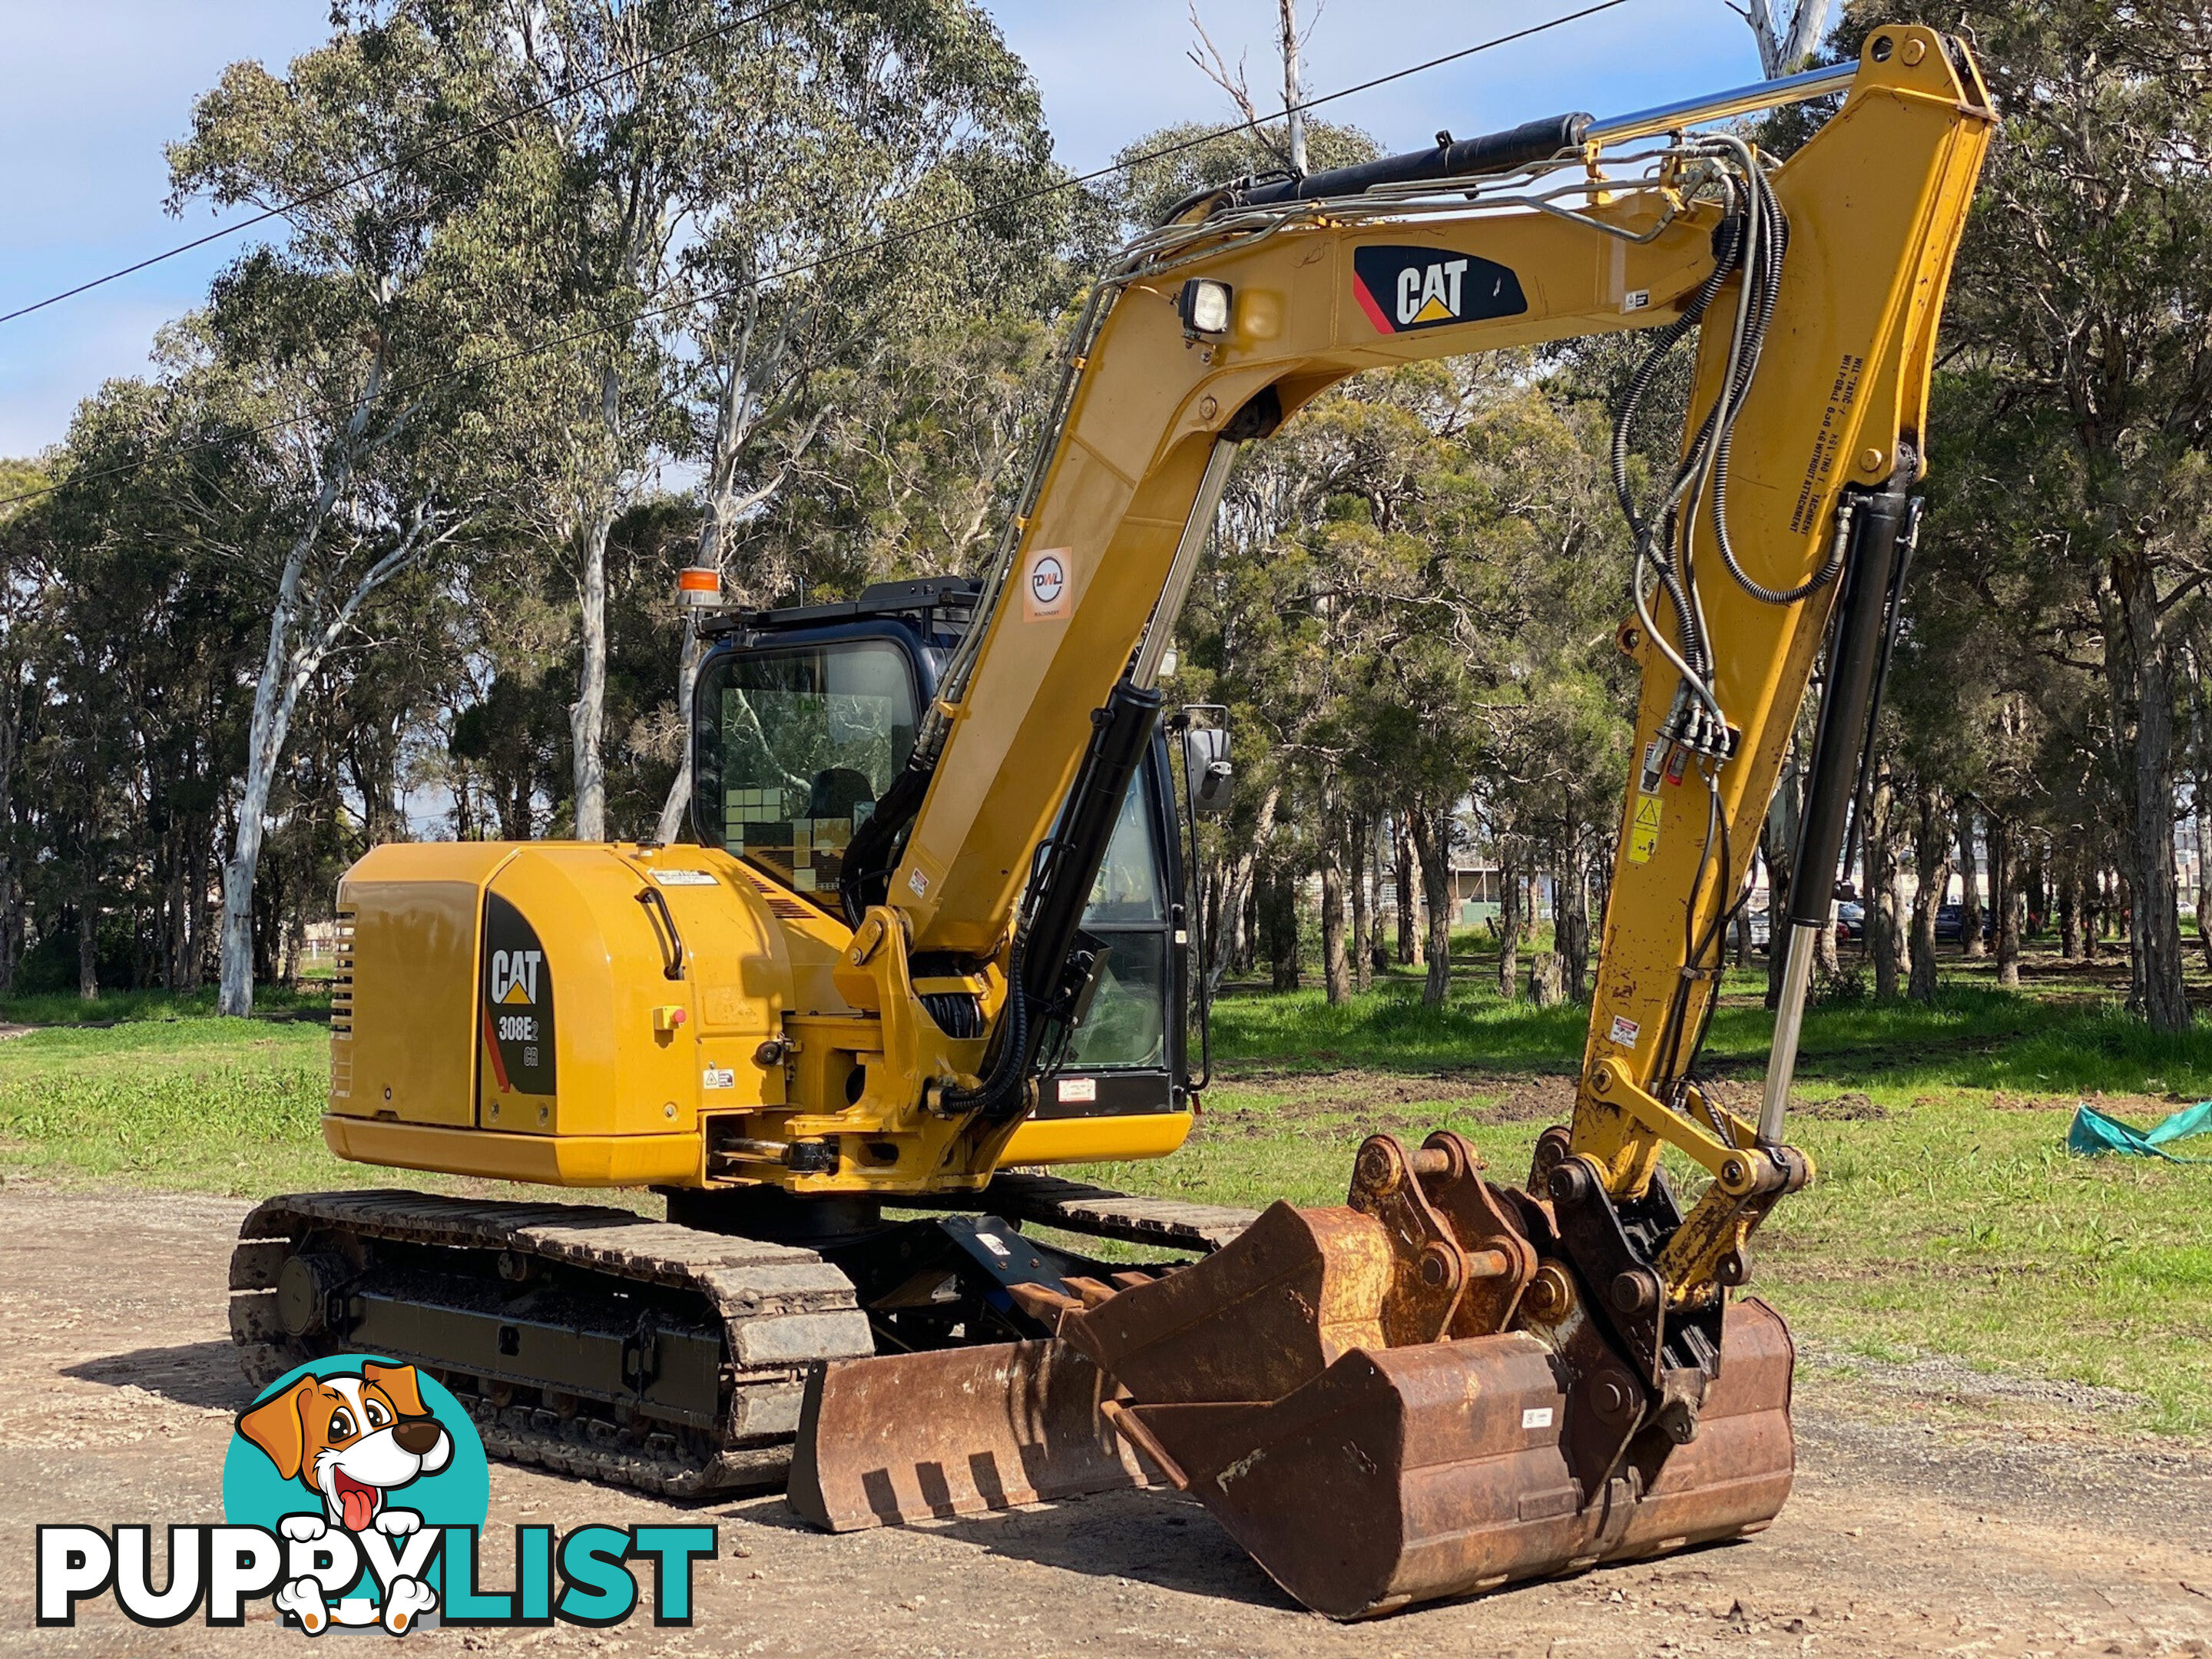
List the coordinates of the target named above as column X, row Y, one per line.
column 1957, row 1225
column 186, row 1103
column 67, row 1008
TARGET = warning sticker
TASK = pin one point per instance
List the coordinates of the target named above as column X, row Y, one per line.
column 1535, row 1417
column 719, row 1077
column 1625, row 1031
column 1079, row 1089
column 1643, row 830
column 1045, row 589
column 684, row 877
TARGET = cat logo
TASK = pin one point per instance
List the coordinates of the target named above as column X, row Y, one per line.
column 514, row 976
column 519, row 998
column 1403, row 288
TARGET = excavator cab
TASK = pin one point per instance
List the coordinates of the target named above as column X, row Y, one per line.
column 806, row 717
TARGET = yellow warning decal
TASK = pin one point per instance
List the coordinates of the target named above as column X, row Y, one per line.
column 1644, row 830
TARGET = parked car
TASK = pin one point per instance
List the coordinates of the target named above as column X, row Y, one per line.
column 1850, row 919
column 1950, row 925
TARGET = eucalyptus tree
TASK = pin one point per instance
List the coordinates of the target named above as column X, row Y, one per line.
column 880, row 234
column 343, row 350
column 2081, row 292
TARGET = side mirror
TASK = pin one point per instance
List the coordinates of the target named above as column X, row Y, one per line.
column 1205, row 762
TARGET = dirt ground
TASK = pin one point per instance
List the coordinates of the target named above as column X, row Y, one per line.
column 1916, row 1529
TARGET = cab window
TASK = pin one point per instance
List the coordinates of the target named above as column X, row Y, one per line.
column 1127, row 1024
column 809, row 740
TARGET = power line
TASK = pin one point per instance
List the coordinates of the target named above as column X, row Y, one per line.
column 873, row 245
column 407, row 158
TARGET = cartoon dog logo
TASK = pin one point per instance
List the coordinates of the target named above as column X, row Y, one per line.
column 350, row 1439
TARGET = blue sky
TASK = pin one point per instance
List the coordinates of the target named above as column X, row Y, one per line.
column 90, row 91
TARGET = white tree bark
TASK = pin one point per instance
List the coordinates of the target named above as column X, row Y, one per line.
column 1240, row 889
column 1784, row 47
column 287, row 665
column 587, row 716
column 737, row 416
column 1291, row 96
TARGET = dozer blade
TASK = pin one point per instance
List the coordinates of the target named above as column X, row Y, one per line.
column 954, row 1431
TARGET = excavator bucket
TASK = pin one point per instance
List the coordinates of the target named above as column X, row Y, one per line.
column 1326, row 1387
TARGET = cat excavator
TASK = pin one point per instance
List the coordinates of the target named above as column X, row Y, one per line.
column 936, row 935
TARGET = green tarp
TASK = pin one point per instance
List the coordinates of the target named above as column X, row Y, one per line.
column 2094, row 1134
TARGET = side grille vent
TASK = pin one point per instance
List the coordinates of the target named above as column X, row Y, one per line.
column 788, row 909
column 342, row 1011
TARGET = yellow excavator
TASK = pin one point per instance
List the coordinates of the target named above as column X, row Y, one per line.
column 935, row 935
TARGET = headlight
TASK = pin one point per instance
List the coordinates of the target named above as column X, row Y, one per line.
column 1204, row 307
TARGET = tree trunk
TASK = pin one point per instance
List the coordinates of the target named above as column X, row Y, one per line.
column 2036, row 892
column 1401, row 870
column 1335, row 964
column 2140, row 671
column 1430, row 833
column 1281, row 920
column 2203, row 874
column 87, row 945
column 1884, row 922
column 1547, row 979
column 678, row 806
column 587, row 716
column 1969, row 887
column 1293, row 101
column 2070, row 901
column 1777, row 842
column 1739, row 936
column 1931, row 864
column 1778, row 905
column 1571, row 928
column 1512, row 925
column 1227, row 945
column 2004, row 896
column 1360, row 845
column 1378, row 950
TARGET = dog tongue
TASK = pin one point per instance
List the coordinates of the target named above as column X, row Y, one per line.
column 359, row 1502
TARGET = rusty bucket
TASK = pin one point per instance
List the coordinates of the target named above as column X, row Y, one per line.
column 1364, row 1475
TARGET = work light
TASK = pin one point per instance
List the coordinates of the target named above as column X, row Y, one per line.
column 1204, row 307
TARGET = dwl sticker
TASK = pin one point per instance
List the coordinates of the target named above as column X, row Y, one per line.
column 1045, row 594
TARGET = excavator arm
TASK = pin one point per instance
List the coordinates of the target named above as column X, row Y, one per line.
column 1471, row 1383
column 1815, row 285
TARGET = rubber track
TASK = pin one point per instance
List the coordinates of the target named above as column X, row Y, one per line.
column 782, row 1309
